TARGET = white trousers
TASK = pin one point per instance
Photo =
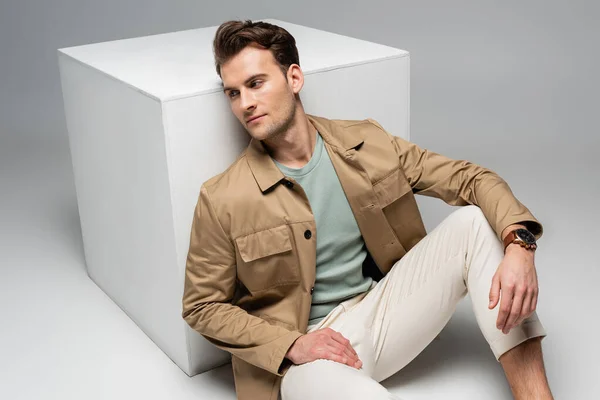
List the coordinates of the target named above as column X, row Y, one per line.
column 395, row 320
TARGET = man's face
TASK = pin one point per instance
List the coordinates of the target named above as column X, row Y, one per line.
column 256, row 87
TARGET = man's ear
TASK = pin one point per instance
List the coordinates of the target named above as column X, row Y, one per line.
column 295, row 78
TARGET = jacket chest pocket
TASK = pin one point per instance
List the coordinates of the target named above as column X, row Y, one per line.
column 267, row 259
column 400, row 208
column 392, row 188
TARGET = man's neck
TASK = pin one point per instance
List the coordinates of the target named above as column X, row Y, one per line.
column 295, row 147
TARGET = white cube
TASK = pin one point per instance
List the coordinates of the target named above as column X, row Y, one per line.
column 148, row 123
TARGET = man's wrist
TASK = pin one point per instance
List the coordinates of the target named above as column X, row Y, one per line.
column 517, row 235
column 511, row 228
column 516, row 247
column 289, row 350
column 286, row 362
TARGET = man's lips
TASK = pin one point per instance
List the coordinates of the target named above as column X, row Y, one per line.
column 254, row 118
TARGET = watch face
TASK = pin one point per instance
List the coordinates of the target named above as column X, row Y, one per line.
column 525, row 235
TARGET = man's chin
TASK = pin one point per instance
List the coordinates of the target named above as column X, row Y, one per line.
column 256, row 134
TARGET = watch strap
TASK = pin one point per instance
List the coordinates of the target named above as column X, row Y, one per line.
column 512, row 237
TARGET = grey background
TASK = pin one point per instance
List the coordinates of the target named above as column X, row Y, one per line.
column 509, row 85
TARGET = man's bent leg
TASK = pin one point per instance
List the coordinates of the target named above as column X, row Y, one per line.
column 326, row 379
column 410, row 306
column 519, row 351
column 484, row 254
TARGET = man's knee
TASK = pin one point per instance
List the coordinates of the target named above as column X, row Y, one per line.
column 472, row 212
column 329, row 380
column 472, row 216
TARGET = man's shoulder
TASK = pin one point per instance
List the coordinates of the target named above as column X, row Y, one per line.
column 348, row 123
column 358, row 127
column 348, row 132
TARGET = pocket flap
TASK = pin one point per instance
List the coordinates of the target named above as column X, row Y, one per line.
column 391, row 188
column 264, row 243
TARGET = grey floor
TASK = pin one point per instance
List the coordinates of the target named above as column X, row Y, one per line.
column 62, row 338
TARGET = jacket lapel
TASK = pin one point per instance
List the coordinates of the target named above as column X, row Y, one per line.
column 344, row 149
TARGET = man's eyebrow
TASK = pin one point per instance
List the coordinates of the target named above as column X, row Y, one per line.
column 246, row 82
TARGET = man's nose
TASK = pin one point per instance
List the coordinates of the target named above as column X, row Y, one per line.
column 247, row 100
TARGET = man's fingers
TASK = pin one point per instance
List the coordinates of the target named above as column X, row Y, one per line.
column 534, row 300
column 338, row 337
column 525, row 310
column 345, row 351
column 343, row 346
column 335, row 357
column 343, row 355
column 505, row 307
column 515, row 311
column 494, row 291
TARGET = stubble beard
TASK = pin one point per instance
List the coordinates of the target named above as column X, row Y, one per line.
column 277, row 128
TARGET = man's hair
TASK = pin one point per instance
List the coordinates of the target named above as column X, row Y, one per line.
column 233, row 36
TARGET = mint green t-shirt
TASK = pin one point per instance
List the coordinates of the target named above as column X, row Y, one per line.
column 340, row 246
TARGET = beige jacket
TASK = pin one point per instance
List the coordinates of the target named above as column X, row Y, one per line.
column 250, row 269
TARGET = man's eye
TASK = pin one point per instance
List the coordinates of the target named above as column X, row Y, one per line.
column 232, row 94
column 255, row 83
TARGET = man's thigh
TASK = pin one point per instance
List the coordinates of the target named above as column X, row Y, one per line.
column 326, row 379
column 410, row 306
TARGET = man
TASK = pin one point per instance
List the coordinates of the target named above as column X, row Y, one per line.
column 308, row 258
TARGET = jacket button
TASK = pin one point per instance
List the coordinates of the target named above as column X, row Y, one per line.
column 307, row 234
column 312, row 289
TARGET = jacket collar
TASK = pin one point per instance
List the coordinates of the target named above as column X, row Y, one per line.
column 266, row 172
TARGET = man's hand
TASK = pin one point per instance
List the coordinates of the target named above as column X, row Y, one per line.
column 517, row 279
column 323, row 344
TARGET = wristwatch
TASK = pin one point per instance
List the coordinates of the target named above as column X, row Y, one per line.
column 521, row 236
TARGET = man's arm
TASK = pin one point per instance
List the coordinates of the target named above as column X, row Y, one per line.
column 460, row 183
column 210, row 279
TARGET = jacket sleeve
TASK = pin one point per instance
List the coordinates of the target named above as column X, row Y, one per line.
column 460, row 183
column 210, row 280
